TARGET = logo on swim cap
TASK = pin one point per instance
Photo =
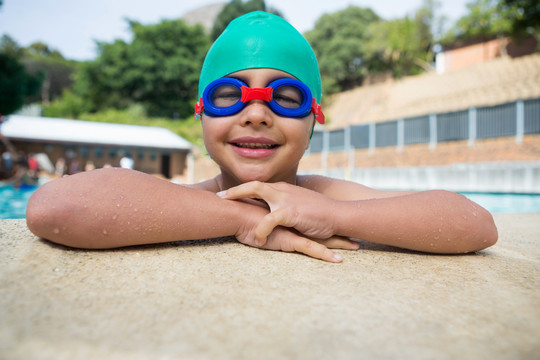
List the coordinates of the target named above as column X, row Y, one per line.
column 261, row 40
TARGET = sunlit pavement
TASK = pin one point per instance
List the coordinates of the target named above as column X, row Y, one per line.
column 223, row 300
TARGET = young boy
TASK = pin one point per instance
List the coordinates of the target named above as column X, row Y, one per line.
column 259, row 92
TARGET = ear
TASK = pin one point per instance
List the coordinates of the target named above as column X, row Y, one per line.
column 312, row 129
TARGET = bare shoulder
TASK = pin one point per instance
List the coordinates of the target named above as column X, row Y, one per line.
column 207, row 185
column 343, row 189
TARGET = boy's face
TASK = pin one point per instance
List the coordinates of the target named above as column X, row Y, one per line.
column 256, row 143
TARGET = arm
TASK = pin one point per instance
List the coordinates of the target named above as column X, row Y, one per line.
column 110, row 208
column 430, row 221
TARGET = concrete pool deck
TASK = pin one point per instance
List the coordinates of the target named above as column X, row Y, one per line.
column 222, row 300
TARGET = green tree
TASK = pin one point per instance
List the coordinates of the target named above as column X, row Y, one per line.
column 339, row 41
column 57, row 71
column 236, row 8
column 403, row 46
column 10, row 47
column 69, row 106
column 41, row 50
column 523, row 14
column 42, row 61
column 15, row 84
column 158, row 69
column 484, row 21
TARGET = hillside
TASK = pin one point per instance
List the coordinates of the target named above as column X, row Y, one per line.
column 498, row 81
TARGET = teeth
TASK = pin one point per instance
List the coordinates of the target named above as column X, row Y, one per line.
column 255, row 146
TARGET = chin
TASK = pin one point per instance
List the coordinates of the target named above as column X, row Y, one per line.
column 254, row 177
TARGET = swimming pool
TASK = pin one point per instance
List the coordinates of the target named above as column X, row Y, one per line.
column 13, row 201
column 507, row 203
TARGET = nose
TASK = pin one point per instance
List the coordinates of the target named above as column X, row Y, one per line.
column 256, row 113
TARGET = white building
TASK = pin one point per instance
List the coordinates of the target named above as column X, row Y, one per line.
column 154, row 150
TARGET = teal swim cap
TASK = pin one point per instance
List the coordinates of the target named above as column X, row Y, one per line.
column 261, row 40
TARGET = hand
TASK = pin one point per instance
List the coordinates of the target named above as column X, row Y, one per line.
column 287, row 239
column 284, row 239
column 307, row 211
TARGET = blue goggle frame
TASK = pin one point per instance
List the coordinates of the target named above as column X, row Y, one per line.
column 308, row 103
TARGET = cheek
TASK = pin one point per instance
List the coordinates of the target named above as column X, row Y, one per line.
column 306, row 131
column 212, row 135
column 213, row 129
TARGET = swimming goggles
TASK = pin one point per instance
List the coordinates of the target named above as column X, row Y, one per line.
column 286, row 97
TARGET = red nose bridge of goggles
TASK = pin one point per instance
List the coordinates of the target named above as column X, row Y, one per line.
column 264, row 94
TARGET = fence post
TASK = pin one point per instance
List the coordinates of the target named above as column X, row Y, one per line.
column 372, row 137
column 349, row 151
column 400, row 135
column 520, row 121
column 472, row 126
column 324, row 154
column 432, row 131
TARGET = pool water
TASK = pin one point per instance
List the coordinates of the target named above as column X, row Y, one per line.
column 507, row 203
column 13, row 201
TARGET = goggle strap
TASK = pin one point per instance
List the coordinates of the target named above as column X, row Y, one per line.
column 199, row 107
column 317, row 111
column 249, row 94
column 265, row 95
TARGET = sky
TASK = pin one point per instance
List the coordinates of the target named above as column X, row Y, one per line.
column 73, row 26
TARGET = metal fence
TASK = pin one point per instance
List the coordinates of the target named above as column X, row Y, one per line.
column 511, row 119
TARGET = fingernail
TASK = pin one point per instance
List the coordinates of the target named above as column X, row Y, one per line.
column 221, row 194
column 338, row 257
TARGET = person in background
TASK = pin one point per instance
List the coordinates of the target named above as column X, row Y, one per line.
column 126, row 162
column 7, row 164
column 60, row 166
column 74, row 167
column 89, row 166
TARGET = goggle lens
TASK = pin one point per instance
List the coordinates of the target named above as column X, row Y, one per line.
column 225, row 96
column 289, row 97
column 286, row 97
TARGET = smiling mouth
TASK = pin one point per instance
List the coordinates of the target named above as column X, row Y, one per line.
column 255, row 146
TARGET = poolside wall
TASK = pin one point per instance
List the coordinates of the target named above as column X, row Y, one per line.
column 520, row 177
column 491, row 165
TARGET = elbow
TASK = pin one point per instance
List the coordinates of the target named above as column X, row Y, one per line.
column 43, row 216
column 483, row 231
column 38, row 216
column 474, row 226
column 489, row 233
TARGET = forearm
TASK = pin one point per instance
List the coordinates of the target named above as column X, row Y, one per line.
column 114, row 207
column 431, row 221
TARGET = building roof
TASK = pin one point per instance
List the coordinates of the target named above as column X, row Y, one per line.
column 490, row 83
column 53, row 130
